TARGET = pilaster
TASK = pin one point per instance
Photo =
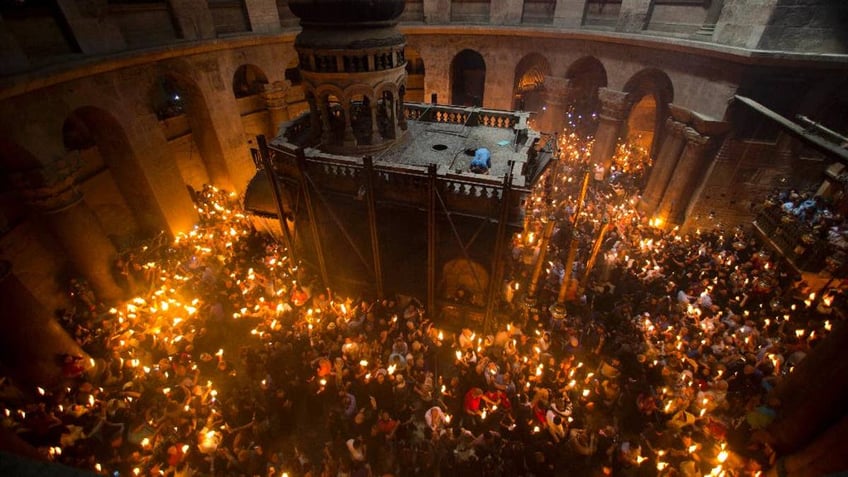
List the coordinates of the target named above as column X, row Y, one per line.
column 614, row 108
column 685, row 178
column 263, row 16
column 437, row 11
column 92, row 30
column 506, row 12
column 663, row 167
column 569, row 13
column 634, row 15
column 193, row 19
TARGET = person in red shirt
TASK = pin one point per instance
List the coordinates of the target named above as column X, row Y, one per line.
column 471, row 406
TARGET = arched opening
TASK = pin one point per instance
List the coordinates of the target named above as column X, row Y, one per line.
column 387, row 114
column 651, row 92
column 586, row 75
column 112, row 179
column 186, row 122
column 248, row 80
column 414, row 76
column 468, row 78
column 464, row 281
column 528, row 90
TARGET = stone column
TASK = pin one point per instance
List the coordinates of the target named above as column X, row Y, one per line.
column 326, row 126
column 52, row 191
column 315, row 116
column 505, row 12
column 12, row 57
column 33, row 342
column 263, row 16
column 193, row 19
column 634, row 15
column 688, row 171
column 375, row 127
column 274, row 95
column 348, row 139
column 88, row 22
column 663, row 167
column 614, row 108
column 569, row 13
column 705, row 33
column 401, row 113
column 556, row 100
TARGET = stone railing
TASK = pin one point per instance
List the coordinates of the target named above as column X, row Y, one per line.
column 794, row 239
column 434, row 113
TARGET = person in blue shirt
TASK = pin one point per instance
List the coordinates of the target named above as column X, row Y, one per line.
column 482, row 161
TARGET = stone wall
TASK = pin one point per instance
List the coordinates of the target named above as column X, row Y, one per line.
column 807, row 25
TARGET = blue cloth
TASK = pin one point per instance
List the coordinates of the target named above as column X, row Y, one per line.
column 482, row 159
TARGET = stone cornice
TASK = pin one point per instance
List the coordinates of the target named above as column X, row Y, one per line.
column 82, row 67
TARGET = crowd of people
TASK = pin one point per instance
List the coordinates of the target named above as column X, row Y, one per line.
column 233, row 360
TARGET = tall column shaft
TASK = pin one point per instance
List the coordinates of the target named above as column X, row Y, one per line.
column 263, row 16
column 92, row 29
column 569, row 13
column 685, row 178
column 556, row 100
column 634, row 15
column 32, row 340
column 52, row 191
column 662, row 169
column 614, row 107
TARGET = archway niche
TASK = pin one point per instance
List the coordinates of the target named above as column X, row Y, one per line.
column 415, row 72
column 468, row 78
column 248, row 80
column 650, row 92
column 586, row 75
column 187, row 124
column 528, row 89
column 111, row 176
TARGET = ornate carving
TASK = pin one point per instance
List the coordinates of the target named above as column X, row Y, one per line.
column 694, row 139
column 275, row 94
column 674, row 127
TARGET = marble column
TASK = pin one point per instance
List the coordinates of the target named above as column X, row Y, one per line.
column 634, row 15
column 401, row 112
column 52, row 191
column 687, row 173
column 33, row 342
column 663, row 167
column 556, row 100
column 614, row 108
column 274, row 95
column 375, row 127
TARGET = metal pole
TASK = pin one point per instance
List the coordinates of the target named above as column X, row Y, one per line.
column 540, row 259
column 310, row 209
column 497, row 259
column 572, row 247
column 368, row 162
column 595, row 249
column 265, row 157
column 431, row 240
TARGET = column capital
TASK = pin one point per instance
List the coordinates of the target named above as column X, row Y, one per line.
column 674, row 127
column 275, row 93
column 51, row 187
column 554, row 85
column 614, row 104
column 694, row 138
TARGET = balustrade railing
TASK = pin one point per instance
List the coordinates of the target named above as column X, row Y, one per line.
column 794, row 239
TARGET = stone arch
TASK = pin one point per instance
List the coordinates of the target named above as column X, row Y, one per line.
column 651, row 91
column 203, row 160
column 359, row 100
column 586, row 75
column 415, row 74
column 529, row 84
column 468, row 78
column 125, row 204
column 248, row 80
